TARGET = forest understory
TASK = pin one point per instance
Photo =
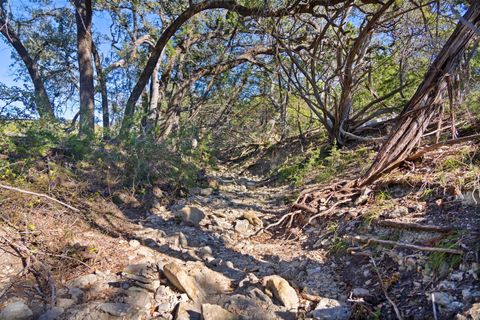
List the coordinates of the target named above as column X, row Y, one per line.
column 414, row 237
column 239, row 159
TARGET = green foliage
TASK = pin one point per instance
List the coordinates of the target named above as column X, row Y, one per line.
column 323, row 166
column 30, row 139
column 80, row 148
column 440, row 260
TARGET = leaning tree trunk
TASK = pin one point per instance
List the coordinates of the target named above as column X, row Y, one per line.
column 417, row 114
column 102, row 81
column 83, row 16
column 43, row 105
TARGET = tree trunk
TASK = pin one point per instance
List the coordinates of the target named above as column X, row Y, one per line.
column 154, row 98
column 101, row 78
column 417, row 114
column 83, row 16
column 43, row 105
column 171, row 123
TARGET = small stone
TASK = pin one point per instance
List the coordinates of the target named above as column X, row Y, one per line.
column 141, row 269
column 252, row 218
column 473, row 312
column 398, row 212
column 157, row 192
column 52, row 314
column 360, row 292
column 330, row 309
column 152, row 286
column 206, row 250
column 206, row 192
column 65, row 303
column 83, row 282
column 182, row 240
column 442, row 298
column 191, row 215
column 215, row 312
column 282, row 290
column 470, row 295
column 16, row 311
column 229, row 264
column 456, row 276
column 447, row 301
column 242, row 226
column 75, row 293
column 134, row 243
column 182, row 281
column 115, row 309
column 186, row 311
column 138, row 298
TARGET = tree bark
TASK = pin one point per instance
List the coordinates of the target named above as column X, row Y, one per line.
column 154, row 97
column 101, row 78
column 83, row 17
column 43, row 105
column 418, row 112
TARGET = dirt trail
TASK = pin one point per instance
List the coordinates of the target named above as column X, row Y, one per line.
column 203, row 254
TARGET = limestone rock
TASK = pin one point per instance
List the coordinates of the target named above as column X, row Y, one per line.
column 210, row 281
column 65, row 303
column 206, row 192
column 330, row 309
column 191, row 215
column 186, row 311
column 183, row 281
column 360, row 292
column 242, row 226
column 52, row 314
column 134, row 243
column 16, row 311
column 282, row 290
column 115, row 309
column 82, row 282
column 252, row 218
column 471, row 313
column 76, row 294
column 138, row 298
column 447, row 301
column 215, row 312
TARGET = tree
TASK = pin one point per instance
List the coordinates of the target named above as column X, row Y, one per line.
column 426, row 101
column 83, row 17
column 43, row 105
column 192, row 10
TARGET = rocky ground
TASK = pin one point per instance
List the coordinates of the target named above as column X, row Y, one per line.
column 203, row 257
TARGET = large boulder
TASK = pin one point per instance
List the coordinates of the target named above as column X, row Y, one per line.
column 16, row 311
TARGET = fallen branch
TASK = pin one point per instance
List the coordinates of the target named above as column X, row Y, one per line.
column 39, row 195
column 413, row 226
column 435, row 146
column 369, row 241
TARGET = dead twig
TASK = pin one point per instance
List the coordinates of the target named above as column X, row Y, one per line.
column 435, row 146
column 41, row 195
column 369, row 241
column 413, row 226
